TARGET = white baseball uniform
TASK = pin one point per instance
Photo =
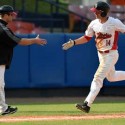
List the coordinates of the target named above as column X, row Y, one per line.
column 3, row 105
column 106, row 38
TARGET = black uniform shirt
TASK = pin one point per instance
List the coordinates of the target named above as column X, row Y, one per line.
column 8, row 41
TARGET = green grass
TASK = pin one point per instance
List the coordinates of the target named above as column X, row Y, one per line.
column 59, row 109
column 73, row 122
column 68, row 109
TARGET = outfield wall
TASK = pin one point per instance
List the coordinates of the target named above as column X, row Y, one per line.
column 51, row 67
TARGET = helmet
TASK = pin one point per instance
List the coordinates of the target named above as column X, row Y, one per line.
column 101, row 6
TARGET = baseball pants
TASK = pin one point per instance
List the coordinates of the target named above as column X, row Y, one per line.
column 106, row 69
column 3, row 105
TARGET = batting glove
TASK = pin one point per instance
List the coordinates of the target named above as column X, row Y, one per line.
column 68, row 44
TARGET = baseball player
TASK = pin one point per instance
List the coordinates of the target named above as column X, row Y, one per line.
column 105, row 29
column 7, row 42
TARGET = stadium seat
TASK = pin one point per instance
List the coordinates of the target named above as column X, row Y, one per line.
column 38, row 30
column 21, row 27
column 89, row 14
column 22, row 31
column 117, row 9
column 73, row 19
column 12, row 26
column 117, row 2
column 119, row 16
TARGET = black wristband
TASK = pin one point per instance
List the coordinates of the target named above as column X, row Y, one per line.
column 74, row 42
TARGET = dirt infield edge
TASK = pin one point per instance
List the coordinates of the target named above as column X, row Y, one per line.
column 53, row 118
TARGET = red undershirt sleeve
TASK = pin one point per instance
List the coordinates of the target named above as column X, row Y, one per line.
column 87, row 37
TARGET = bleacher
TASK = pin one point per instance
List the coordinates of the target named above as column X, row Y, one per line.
column 75, row 17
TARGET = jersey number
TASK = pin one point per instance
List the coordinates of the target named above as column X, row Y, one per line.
column 108, row 42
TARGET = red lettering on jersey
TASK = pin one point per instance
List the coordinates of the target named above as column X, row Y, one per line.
column 100, row 36
column 103, row 35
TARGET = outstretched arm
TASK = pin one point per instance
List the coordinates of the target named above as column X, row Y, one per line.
column 78, row 41
column 37, row 40
column 82, row 40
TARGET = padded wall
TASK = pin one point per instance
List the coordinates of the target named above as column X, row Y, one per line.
column 18, row 74
column 81, row 63
column 47, row 62
column 51, row 67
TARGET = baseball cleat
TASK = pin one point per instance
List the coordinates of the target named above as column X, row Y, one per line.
column 10, row 110
column 83, row 107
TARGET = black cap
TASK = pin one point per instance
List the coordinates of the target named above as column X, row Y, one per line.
column 7, row 9
column 102, row 6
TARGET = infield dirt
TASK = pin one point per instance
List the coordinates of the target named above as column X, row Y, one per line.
column 52, row 118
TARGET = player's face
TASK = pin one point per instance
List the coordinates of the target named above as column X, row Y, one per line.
column 98, row 14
